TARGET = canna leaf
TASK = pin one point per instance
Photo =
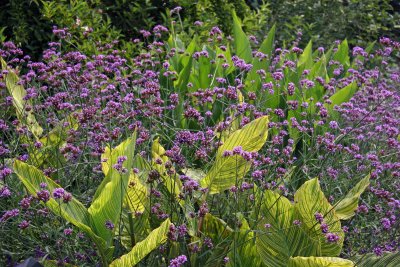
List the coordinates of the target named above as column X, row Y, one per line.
column 345, row 208
column 136, row 196
column 309, row 200
column 221, row 235
column 306, row 57
column 388, row 259
column 319, row 262
column 73, row 211
column 156, row 238
column 109, row 196
column 342, row 54
column 265, row 48
column 246, row 252
column 343, row 95
column 281, row 239
column 241, row 42
column 171, row 182
column 227, row 170
column 17, row 92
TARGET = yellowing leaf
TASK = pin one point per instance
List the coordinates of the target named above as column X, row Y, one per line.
column 227, row 170
column 156, row 238
column 345, row 208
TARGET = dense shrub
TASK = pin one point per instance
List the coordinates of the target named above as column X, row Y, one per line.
column 29, row 23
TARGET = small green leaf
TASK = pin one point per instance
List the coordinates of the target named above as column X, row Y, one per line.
column 345, row 208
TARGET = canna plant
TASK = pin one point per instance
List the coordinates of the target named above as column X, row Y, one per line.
column 97, row 221
column 277, row 231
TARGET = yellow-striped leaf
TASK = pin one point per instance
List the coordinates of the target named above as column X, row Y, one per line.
column 227, row 170
column 73, row 211
column 109, row 196
column 277, row 237
column 345, row 208
column 319, row 262
column 156, row 238
column 309, row 200
column 17, row 92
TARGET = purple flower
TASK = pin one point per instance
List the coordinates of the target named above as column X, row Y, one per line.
column 178, row 261
column 68, row 231
column 332, row 238
column 9, row 214
column 43, row 195
column 386, row 223
column 109, row 225
column 24, row 224
column 58, row 193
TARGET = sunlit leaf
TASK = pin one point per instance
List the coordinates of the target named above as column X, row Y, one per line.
column 346, row 207
column 17, row 92
column 309, row 200
column 156, row 238
column 109, row 196
column 227, row 170
column 319, row 262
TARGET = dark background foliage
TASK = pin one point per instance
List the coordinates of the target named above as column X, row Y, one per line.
column 29, row 22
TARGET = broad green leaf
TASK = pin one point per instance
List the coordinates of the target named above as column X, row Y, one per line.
column 342, row 54
column 306, row 57
column 309, row 200
column 388, row 259
column 282, row 239
column 132, row 229
column 109, row 196
column 345, row 208
column 221, row 235
column 246, row 252
column 136, row 195
column 227, row 170
column 17, row 92
column 241, row 42
column 73, row 211
column 343, row 95
column 156, row 238
column 265, row 48
column 319, row 262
